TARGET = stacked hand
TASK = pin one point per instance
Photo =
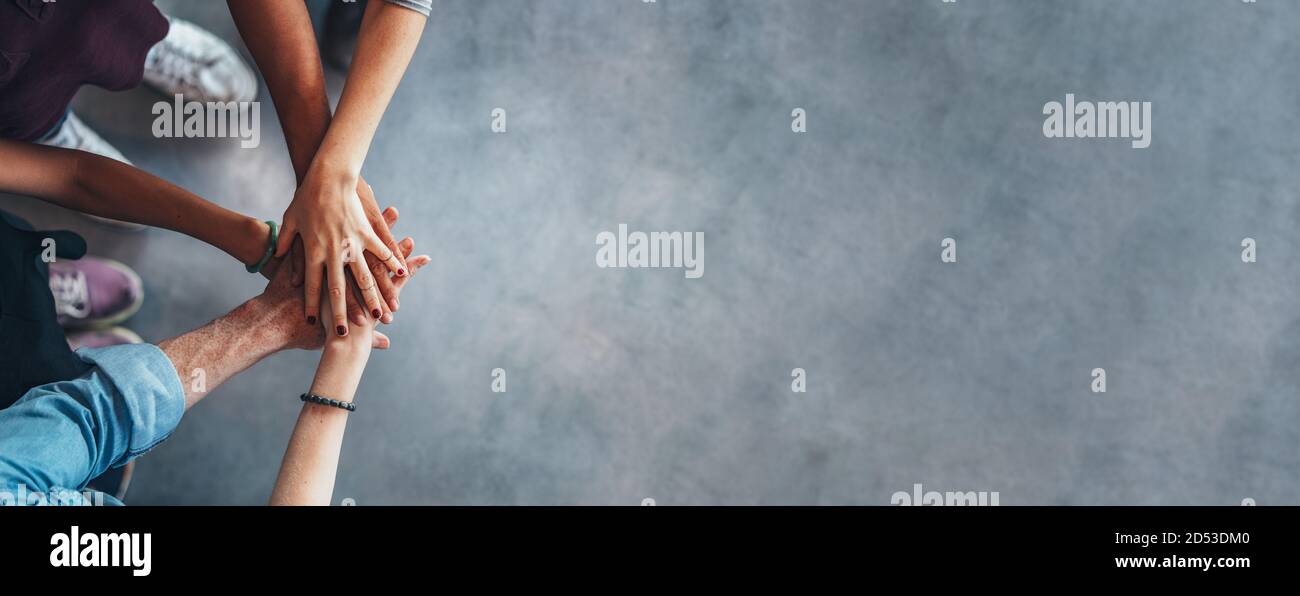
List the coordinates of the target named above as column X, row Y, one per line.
column 284, row 294
column 336, row 226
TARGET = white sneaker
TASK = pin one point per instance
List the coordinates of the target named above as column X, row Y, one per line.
column 74, row 134
column 199, row 66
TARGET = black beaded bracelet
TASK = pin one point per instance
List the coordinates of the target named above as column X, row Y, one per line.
column 325, row 401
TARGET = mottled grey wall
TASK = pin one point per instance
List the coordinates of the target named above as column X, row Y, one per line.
column 822, row 252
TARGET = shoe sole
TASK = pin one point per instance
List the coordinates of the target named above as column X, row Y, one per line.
column 131, row 337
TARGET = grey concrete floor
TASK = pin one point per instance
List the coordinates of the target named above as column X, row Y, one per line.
column 822, row 252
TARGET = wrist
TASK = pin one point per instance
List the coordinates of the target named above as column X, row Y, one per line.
column 333, row 170
column 340, row 369
column 256, row 236
column 355, row 344
column 263, row 325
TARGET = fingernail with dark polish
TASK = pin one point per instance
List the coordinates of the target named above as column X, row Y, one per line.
column 341, row 330
column 401, row 273
column 376, row 313
column 311, row 320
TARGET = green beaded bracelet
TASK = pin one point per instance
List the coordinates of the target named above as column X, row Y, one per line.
column 270, row 249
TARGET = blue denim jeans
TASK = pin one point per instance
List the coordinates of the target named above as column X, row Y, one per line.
column 61, row 435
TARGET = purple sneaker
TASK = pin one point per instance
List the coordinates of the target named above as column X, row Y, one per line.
column 102, row 338
column 93, row 292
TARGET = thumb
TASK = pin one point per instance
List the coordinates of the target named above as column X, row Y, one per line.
column 287, row 232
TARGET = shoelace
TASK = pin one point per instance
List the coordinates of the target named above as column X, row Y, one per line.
column 71, row 294
column 172, row 61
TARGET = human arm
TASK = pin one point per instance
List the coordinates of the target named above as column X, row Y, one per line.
column 268, row 323
column 327, row 211
column 105, row 187
column 310, row 463
column 60, row 435
column 280, row 37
